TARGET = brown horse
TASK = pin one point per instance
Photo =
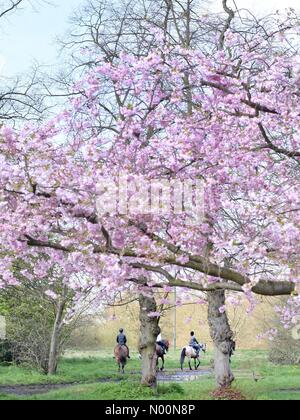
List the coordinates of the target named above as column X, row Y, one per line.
column 160, row 353
column 121, row 356
column 191, row 353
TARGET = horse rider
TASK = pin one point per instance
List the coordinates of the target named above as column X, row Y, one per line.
column 194, row 343
column 160, row 343
column 122, row 340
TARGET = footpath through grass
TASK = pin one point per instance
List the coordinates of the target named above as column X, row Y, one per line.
column 95, row 377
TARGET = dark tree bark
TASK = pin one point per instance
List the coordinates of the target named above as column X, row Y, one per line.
column 222, row 337
column 149, row 332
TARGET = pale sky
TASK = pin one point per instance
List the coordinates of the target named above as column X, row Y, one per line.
column 262, row 6
column 29, row 36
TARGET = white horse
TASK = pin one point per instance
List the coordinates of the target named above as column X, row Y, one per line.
column 191, row 353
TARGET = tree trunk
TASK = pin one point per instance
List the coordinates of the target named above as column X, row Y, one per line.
column 147, row 345
column 54, row 344
column 222, row 337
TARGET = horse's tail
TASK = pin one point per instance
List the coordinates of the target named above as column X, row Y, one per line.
column 182, row 357
column 123, row 359
column 121, row 355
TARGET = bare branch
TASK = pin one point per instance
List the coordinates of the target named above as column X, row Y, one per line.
column 13, row 5
column 270, row 145
column 230, row 18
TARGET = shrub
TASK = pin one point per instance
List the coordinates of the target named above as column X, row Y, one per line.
column 6, row 352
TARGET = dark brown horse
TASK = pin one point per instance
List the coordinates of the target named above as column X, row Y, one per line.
column 160, row 353
column 121, row 356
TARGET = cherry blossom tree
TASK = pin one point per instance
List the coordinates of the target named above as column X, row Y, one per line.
column 228, row 119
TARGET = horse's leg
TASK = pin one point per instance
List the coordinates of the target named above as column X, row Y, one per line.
column 190, row 364
column 199, row 362
column 182, row 363
column 119, row 366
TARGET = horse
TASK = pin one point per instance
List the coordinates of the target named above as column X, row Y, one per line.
column 191, row 353
column 121, row 356
column 160, row 353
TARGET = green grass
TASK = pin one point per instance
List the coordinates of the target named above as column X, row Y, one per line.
column 276, row 382
column 70, row 371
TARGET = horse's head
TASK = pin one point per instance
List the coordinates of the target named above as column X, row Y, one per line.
column 167, row 344
column 203, row 347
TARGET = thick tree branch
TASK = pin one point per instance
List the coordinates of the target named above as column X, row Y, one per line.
column 254, row 105
column 175, row 282
column 196, row 263
column 46, row 244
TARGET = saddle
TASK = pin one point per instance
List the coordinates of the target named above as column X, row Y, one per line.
column 192, row 351
column 120, row 348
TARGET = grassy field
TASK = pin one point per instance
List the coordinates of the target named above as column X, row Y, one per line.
column 93, row 376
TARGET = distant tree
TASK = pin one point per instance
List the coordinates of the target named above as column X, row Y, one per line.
column 42, row 309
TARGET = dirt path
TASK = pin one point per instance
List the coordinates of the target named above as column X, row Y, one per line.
column 288, row 390
column 28, row 390
column 166, row 376
column 184, row 376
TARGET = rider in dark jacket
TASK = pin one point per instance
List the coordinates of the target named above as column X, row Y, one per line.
column 194, row 343
column 122, row 340
column 161, row 343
